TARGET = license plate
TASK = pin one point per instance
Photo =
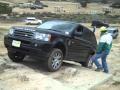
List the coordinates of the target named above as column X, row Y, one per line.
column 16, row 43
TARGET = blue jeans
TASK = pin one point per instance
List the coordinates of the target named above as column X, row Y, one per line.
column 103, row 57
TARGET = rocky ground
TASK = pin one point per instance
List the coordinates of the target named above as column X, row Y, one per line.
column 31, row 74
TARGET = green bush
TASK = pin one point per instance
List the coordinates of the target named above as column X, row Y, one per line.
column 104, row 1
column 83, row 4
column 5, row 8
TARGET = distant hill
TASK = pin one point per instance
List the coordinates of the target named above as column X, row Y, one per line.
column 15, row 1
column 22, row 1
column 100, row 0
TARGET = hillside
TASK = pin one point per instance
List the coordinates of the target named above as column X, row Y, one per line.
column 21, row 1
column 15, row 1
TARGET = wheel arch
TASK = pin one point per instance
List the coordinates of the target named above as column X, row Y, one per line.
column 60, row 45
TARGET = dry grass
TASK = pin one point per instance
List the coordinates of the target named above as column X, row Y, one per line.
column 68, row 7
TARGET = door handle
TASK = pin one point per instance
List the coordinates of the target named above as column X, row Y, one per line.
column 72, row 42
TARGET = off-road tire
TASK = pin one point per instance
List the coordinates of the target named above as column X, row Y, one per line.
column 87, row 62
column 115, row 37
column 50, row 64
column 16, row 56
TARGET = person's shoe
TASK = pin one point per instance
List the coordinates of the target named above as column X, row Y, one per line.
column 90, row 64
column 98, row 69
column 106, row 71
column 90, row 67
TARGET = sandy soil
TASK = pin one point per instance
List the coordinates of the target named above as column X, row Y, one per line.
column 64, row 7
column 31, row 74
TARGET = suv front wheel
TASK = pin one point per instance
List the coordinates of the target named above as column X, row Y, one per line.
column 55, row 60
column 16, row 56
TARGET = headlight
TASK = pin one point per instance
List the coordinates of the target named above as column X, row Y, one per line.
column 11, row 31
column 42, row 36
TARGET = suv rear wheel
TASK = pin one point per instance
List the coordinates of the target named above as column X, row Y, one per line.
column 16, row 56
column 88, row 63
column 55, row 60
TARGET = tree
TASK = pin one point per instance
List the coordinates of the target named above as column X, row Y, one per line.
column 83, row 4
column 37, row 2
column 5, row 8
column 104, row 1
column 29, row 1
column 115, row 5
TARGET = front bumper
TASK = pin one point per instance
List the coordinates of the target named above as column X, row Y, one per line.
column 29, row 47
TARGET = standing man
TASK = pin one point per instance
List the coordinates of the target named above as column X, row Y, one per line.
column 103, row 50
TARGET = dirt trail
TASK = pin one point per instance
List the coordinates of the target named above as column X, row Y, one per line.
column 31, row 75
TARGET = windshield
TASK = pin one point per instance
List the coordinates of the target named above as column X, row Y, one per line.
column 58, row 26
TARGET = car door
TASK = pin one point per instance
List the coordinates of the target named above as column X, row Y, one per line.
column 115, row 33
column 78, row 49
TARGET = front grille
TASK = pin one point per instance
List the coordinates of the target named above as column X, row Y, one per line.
column 23, row 34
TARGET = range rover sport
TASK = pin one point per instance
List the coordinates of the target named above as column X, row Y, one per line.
column 52, row 41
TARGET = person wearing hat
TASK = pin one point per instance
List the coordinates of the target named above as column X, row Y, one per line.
column 103, row 49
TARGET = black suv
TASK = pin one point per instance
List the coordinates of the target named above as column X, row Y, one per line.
column 114, row 31
column 52, row 41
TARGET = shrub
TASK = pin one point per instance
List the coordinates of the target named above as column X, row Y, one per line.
column 83, row 4
column 104, row 1
column 5, row 8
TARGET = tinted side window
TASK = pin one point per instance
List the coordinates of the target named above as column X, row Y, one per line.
column 87, row 34
column 90, row 36
column 114, row 31
column 79, row 29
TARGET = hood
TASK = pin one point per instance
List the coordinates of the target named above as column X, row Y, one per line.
column 24, row 28
column 33, row 29
column 54, row 32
